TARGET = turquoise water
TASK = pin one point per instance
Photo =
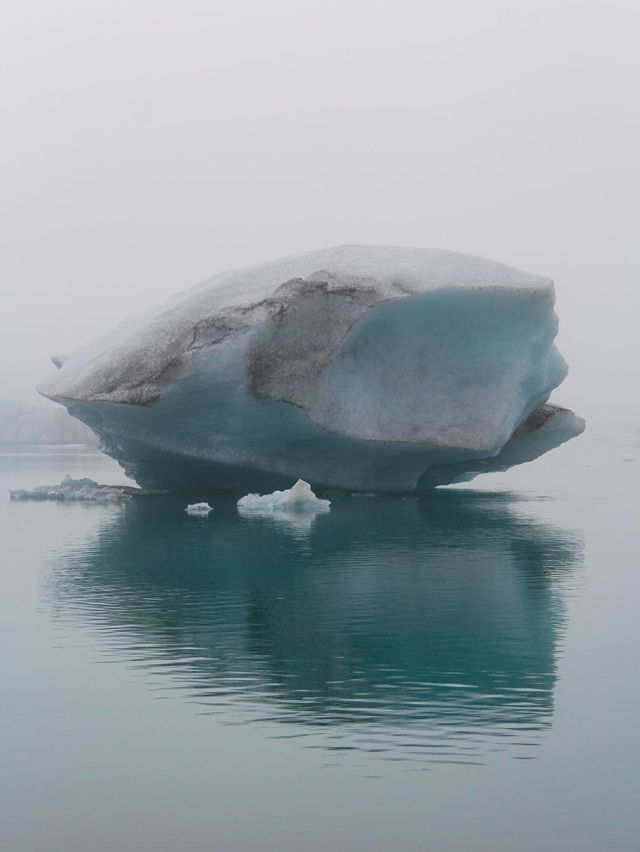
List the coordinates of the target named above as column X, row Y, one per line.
column 455, row 672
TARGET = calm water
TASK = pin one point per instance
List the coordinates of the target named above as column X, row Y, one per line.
column 456, row 672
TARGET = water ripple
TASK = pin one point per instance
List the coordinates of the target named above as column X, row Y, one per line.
column 419, row 630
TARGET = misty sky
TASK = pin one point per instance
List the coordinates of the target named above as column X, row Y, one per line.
column 147, row 145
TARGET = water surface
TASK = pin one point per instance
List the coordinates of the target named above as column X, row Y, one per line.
column 455, row 671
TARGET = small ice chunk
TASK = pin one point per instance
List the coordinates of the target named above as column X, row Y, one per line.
column 198, row 510
column 76, row 490
column 294, row 510
column 298, row 498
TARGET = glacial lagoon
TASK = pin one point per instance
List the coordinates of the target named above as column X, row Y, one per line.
column 451, row 671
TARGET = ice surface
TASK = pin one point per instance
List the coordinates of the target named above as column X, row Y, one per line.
column 364, row 368
column 76, row 489
column 198, row 510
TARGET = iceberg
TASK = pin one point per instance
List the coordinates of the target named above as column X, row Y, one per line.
column 364, row 368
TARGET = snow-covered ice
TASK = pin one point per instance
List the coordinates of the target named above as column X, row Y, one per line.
column 363, row 368
column 198, row 510
column 70, row 489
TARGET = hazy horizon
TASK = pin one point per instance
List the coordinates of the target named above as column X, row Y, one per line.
column 149, row 146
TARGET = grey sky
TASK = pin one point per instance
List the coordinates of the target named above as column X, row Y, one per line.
column 149, row 144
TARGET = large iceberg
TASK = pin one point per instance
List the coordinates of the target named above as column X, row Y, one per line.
column 357, row 367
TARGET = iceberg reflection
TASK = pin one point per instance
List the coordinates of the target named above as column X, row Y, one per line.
column 429, row 625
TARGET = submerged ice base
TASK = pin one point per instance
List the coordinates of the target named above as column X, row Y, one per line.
column 362, row 368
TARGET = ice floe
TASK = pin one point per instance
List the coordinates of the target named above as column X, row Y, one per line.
column 70, row 489
column 295, row 509
column 199, row 510
column 298, row 498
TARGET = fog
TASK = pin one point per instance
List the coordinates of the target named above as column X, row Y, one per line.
column 147, row 145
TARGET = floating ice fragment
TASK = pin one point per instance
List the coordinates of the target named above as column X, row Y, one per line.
column 298, row 498
column 198, row 510
column 294, row 510
column 75, row 490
